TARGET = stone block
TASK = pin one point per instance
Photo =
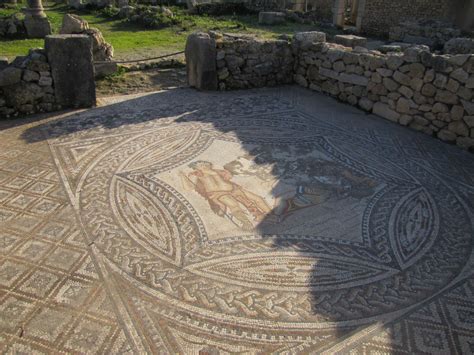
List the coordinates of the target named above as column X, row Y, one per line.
column 428, row 90
column 37, row 27
column 390, row 48
column 446, row 135
column 459, row 128
column 385, row 72
column 401, row 78
column 394, row 61
column 469, row 121
column 403, row 105
column 70, row 58
column 305, row 39
column 366, row 104
column 29, row 75
column 468, row 106
column 200, row 55
column 446, row 97
column 328, row 73
column 460, row 75
column 271, row 18
column 413, row 54
column 10, row 76
column 385, row 111
column 353, row 79
column 470, row 82
column 23, row 94
column 459, row 46
column 73, row 24
column 465, row 142
column 390, row 84
column 351, row 41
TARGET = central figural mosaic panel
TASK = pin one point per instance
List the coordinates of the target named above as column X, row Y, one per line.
column 289, row 192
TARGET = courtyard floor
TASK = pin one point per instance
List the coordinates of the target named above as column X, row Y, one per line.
column 266, row 221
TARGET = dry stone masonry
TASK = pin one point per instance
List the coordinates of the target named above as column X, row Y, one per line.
column 41, row 81
column 429, row 32
column 26, row 85
column 415, row 88
column 380, row 15
column 11, row 25
column 459, row 46
column 248, row 62
column 427, row 92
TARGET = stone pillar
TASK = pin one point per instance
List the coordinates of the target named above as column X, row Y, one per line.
column 354, row 10
column 360, row 14
column 338, row 12
column 36, row 22
column 201, row 61
column 70, row 58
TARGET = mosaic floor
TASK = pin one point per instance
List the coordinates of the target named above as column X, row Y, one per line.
column 269, row 221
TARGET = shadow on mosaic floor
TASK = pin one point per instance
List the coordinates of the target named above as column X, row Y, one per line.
column 332, row 217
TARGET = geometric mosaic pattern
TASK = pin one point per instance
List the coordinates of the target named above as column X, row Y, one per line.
column 266, row 221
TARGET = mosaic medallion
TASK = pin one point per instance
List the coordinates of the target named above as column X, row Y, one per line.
column 265, row 228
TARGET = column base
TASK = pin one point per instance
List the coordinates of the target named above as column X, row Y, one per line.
column 37, row 27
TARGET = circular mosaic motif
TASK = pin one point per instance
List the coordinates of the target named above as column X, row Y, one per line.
column 276, row 222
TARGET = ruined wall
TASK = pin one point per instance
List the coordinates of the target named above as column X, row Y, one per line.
column 379, row 15
column 59, row 76
column 26, row 86
column 432, row 33
column 430, row 93
column 427, row 92
column 11, row 25
column 248, row 62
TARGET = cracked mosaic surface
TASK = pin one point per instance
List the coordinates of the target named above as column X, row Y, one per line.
column 245, row 222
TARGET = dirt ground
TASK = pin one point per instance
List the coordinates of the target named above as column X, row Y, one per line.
column 146, row 80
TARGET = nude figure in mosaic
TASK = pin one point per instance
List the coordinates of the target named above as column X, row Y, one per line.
column 225, row 197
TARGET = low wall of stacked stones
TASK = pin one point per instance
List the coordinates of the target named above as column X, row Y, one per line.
column 248, row 63
column 380, row 15
column 429, row 32
column 427, row 92
column 424, row 91
column 26, row 85
column 59, row 76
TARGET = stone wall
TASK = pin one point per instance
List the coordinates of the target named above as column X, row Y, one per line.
column 26, row 86
column 432, row 33
column 245, row 62
column 60, row 76
column 427, row 92
column 11, row 25
column 430, row 93
column 380, row 15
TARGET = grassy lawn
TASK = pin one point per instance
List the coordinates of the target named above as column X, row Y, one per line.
column 133, row 41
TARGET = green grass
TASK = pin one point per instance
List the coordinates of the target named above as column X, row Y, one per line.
column 129, row 39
